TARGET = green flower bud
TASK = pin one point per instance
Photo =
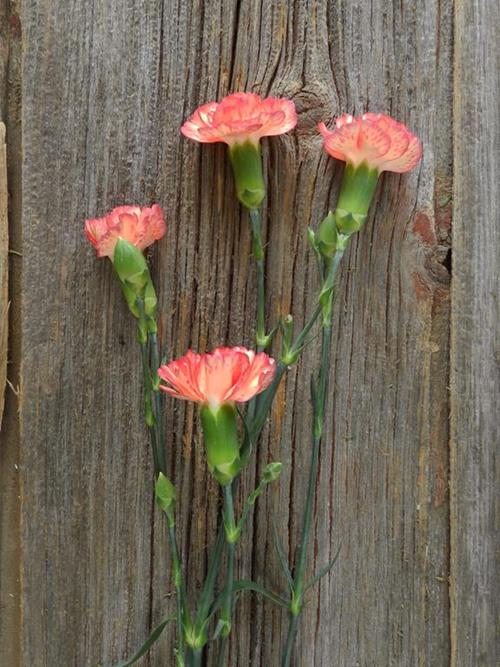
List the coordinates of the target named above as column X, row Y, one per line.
column 247, row 168
column 328, row 236
column 272, row 472
column 287, row 329
column 220, row 430
column 165, row 494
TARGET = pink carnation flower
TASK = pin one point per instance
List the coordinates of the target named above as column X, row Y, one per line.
column 376, row 139
column 228, row 374
column 138, row 225
column 240, row 117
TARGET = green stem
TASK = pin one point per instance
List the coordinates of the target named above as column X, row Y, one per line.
column 149, row 416
column 256, row 423
column 261, row 338
column 231, row 537
column 153, row 416
column 209, row 585
column 293, row 625
column 180, row 589
column 264, row 401
column 227, row 604
column 319, row 402
column 195, row 657
column 156, row 400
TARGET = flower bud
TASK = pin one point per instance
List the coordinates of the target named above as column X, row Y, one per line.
column 247, row 168
column 287, row 329
column 165, row 494
column 327, row 236
column 272, row 472
column 220, row 430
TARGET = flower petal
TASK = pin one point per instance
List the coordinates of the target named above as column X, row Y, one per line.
column 240, row 117
column 139, row 226
column 225, row 375
column 382, row 142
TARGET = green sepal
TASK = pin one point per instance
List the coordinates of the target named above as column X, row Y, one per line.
column 165, row 493
column 288, row 354
column 196, row 638
column 220, row 430
column 327, row 236
column 222, row 629
column 150, row 305
column 130, row 265
column 132, row 270
column 179, row 659
column 356, row 194
column 246, row 160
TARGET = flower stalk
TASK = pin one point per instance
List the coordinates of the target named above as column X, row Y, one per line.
column 165, row 498
column 231, row 539
column 319, row 401
column 152, row 412
column 261, row 338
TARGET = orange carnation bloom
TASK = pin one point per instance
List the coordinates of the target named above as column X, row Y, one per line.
column 138, row 225
column 379, row 140
column 226, row 375
column 240, row 117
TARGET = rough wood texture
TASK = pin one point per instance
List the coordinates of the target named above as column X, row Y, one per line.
column 10, row 69
column 4, row 268
column 475, row 360
column 114, row 81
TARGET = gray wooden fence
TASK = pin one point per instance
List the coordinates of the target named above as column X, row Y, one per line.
column 93, row 95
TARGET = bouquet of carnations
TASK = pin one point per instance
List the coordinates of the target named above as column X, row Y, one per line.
column 234, row 387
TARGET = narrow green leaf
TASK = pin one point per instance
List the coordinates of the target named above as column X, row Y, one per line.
column 247, row 585
column 247, row 446
column 324, row 570
column 281, row 556
column 147, row 644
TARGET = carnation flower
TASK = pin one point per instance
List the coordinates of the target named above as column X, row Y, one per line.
column 240, row 121
column 240, row 117
column 226, row 375
column 140, row 226
column 379, row 140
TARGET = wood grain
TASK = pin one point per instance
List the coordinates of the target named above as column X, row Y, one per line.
column 10, row 553
column 475, row 360
column 105, row 89
column 4, row 268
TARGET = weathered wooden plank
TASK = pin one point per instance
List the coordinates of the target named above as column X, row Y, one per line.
column 119, row 79
column 4, row 268
column 85, row 463
column 475, row 367
column 10, row 592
